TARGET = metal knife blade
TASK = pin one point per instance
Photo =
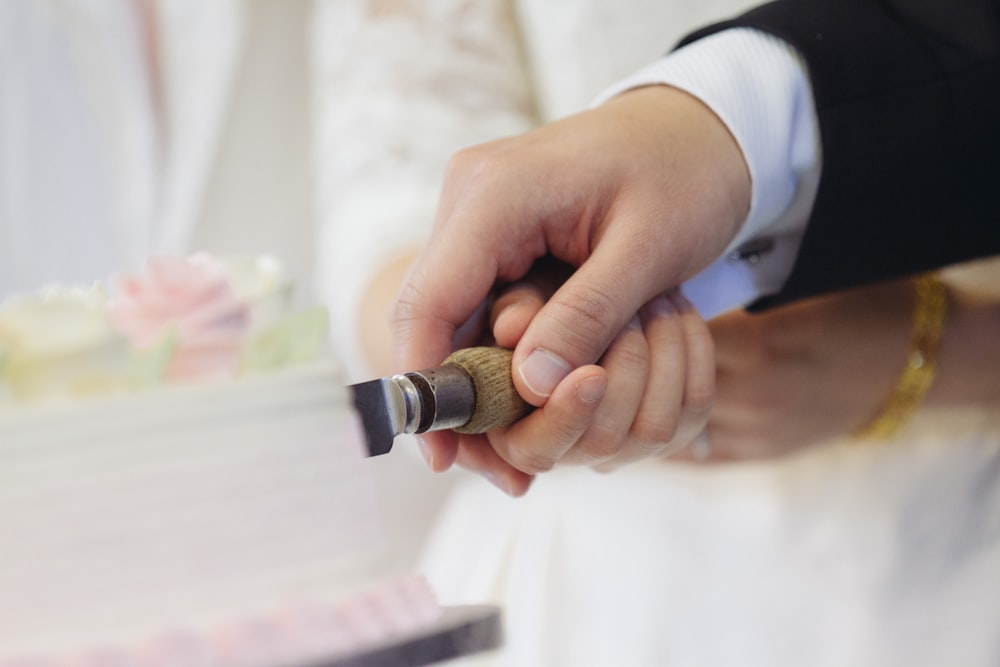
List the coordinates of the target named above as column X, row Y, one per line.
column 378, row 404
column 471, row 392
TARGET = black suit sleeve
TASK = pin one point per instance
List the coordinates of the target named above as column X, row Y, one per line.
column 907, row 94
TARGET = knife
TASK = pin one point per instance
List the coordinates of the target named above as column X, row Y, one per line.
column 471, row 392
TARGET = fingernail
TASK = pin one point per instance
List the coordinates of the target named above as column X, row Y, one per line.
column 500, row 482
column 591, row 390
column 659, row 307
column 506, row 309
column 542, row 371
column 680, row 301
column 426, row 452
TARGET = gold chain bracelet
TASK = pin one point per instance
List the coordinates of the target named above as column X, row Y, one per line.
column 929, row 314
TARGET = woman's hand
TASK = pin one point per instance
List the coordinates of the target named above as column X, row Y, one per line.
column 806, row 373
column 821, row 369
column 649, row 394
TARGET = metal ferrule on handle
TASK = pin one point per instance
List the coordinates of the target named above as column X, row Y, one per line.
column 437, row 398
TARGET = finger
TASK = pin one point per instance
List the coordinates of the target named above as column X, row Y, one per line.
column 432, row 303
column 479, row 239
column 699, row 391
column 537, row 442
column 699, row 371
column 474, row 331
column 439, row 449
column 627, row 364
column 477, row 456
column 513, row 311
column 516, row 305
column 576, row 326
column 658, row 417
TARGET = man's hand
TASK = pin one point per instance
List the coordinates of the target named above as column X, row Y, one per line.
column 638, row 194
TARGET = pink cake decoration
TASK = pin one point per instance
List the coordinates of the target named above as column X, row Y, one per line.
column 298, row 634
column 178, row 320
column 191, row 299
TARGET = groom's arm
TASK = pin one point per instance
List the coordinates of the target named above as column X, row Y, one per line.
column 907, row 96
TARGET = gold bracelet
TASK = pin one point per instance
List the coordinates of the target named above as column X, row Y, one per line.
column 929, row 314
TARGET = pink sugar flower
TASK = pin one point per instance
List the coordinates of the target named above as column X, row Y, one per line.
column 191, row 299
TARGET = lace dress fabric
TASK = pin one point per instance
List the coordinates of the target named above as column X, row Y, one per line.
column 400, row 86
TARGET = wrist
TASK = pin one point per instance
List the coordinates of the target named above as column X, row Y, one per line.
column 930, row 315
column 690, row 133
column 970, row 353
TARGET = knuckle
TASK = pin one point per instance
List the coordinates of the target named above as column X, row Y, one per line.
column 476, row 164
column 699, row 399
column 405, row 308
column 469, row 160
column 600, row 443
column 630, row 350
column 584, row 317
column 408, row 308
column 655, row 429
column 565, row 433
column 532, row 463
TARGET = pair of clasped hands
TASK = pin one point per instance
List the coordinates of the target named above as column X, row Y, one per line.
column 565, row 244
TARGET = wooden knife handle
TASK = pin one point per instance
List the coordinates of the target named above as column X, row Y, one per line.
column 497, row 401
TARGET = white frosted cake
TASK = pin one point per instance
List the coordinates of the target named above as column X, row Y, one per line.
column 182, row 480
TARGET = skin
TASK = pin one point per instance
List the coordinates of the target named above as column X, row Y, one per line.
column 630, row 199
column 817, row 370
column 809, row 372
column 785, row 380
column 636, row 195
column 646, row 410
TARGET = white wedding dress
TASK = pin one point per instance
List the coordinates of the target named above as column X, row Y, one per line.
column 846, row 555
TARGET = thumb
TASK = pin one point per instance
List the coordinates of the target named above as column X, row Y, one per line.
column 575, row 327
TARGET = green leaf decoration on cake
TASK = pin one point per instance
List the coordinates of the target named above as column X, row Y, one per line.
column 298, row 339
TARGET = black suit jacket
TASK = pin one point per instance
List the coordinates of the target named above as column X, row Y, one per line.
column 907, row 94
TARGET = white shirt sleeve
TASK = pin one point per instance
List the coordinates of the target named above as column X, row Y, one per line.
column 758, row 86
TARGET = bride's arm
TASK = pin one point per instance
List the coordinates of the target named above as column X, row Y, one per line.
column 400, row 86
column 823, row 368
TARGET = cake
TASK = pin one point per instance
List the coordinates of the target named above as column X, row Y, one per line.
column 183, row 482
